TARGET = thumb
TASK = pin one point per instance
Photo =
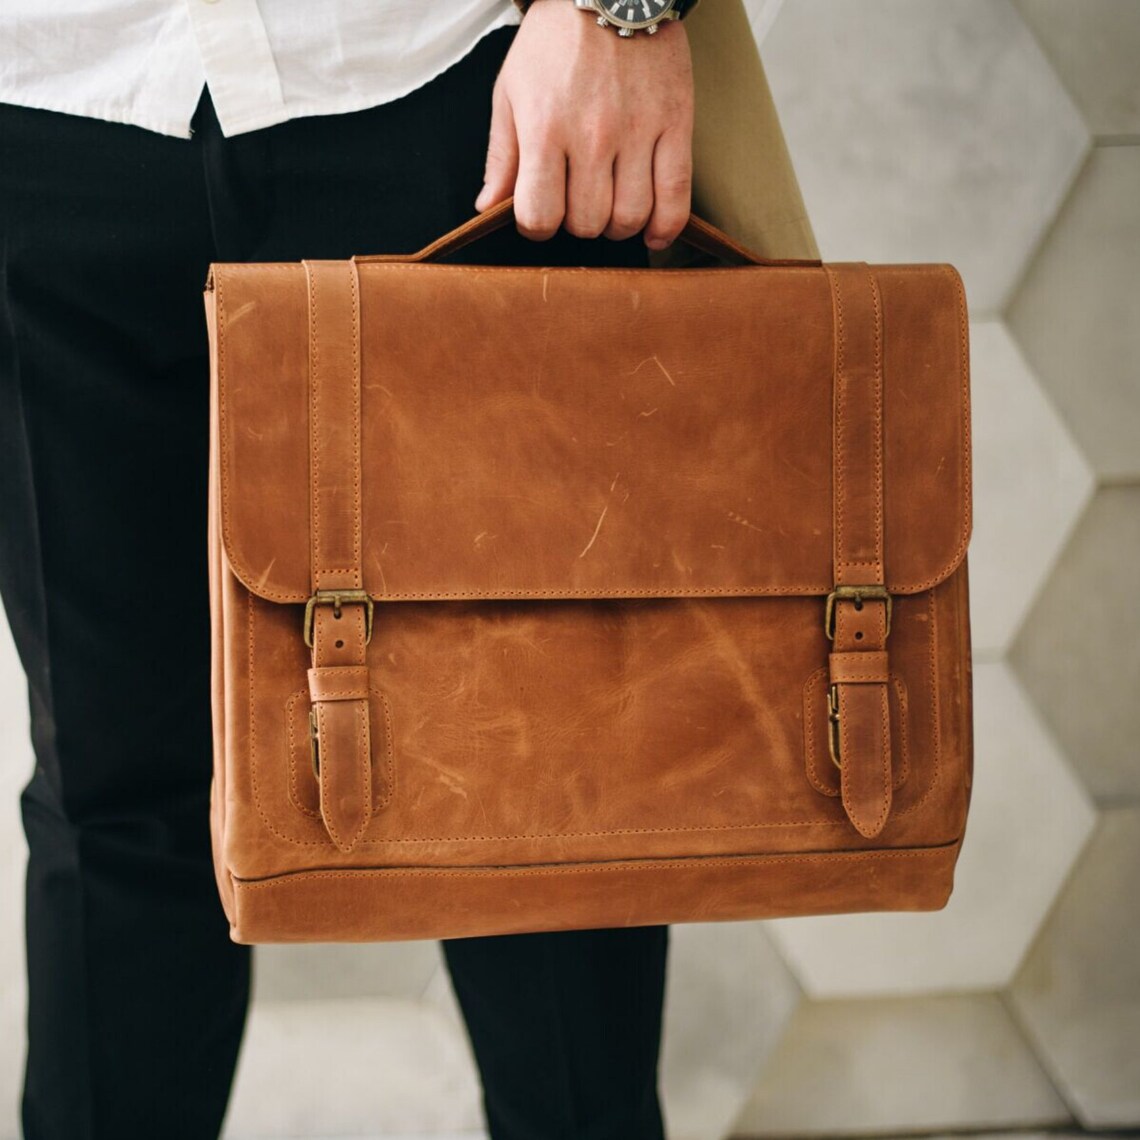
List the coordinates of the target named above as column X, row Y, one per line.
column 502, row 156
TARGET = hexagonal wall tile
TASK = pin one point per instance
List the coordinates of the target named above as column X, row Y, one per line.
column 1030, row 484
column 1029, row 818
column 1078, row 994
column 1077, row 312
column 1094, row 47
column 925, row 131
column 1078, row 655
column 857, row 1067
column 729, row 998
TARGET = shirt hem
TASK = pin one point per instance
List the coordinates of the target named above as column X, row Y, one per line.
column 101, row 111
column 244, row 124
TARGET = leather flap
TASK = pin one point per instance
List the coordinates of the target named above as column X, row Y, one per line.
column 590, row 433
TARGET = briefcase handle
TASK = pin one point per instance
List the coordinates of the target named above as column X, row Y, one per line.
column 698, row 233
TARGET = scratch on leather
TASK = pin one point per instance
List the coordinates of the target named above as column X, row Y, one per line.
column 664, row 370
column 601, row 518
column 451, row 780
column 233, row 318
column 265, row 574
column 744, row 522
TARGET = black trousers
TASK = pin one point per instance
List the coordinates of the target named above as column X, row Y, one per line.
column 137, row 998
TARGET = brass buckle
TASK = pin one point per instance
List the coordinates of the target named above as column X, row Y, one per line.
column 314, row 743
column 833, row 724
column 854, row 594
column 336, row 599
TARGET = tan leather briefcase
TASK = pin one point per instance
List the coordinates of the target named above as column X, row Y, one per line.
column 523, row 626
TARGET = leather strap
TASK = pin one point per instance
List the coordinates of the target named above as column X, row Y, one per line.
column 338, row 680
column 858, row 663
column 698, row 233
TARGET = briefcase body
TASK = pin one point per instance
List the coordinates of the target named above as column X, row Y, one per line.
column 553, row 598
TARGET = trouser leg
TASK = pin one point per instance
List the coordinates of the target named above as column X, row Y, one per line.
column 566, row 1027
column 136, row 996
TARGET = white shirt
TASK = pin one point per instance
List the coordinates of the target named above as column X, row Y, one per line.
column 146, row 61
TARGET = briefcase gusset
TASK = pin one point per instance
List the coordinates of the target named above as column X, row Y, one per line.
column 520, row 624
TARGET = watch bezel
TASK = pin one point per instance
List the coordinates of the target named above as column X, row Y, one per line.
column 668, row 13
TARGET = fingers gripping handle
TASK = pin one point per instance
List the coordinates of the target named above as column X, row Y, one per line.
column 697, row 232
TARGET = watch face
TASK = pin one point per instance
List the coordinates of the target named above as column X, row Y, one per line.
column 633, row 13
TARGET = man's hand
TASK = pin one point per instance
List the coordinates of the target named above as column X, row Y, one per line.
column 591, row 130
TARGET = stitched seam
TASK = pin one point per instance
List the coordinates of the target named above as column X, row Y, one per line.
column 878, row 384
column 904, row 734
column 963, row 411
column 389, row 767
column 291, row 745
column 223, row 429
column 239, row 268
column 314, row 433
column 840, row 389
column 327, row 817
column 251, row 650
column 817, row 822
column 845, row 771
column 887, row 776
column 357, row 476
column 619, row 867
column 935, row 710
column 841, row 420
column 364, row 771
column 814, row 589
column 810, row 697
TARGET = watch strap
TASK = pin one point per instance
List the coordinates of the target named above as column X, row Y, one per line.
column 681, row 7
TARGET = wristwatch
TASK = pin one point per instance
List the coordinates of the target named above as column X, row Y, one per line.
column 627, row 17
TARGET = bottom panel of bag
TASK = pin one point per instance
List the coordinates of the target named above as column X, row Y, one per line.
column 391, row 904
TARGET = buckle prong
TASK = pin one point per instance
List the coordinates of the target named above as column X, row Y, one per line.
column 314, row 743
column 856, row 594
column 336, row 599
column 833, row 724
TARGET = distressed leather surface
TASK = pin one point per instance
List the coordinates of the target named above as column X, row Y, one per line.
column 585, row 433
column 597, row 517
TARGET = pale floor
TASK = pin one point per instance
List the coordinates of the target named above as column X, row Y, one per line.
column 948, row 1136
